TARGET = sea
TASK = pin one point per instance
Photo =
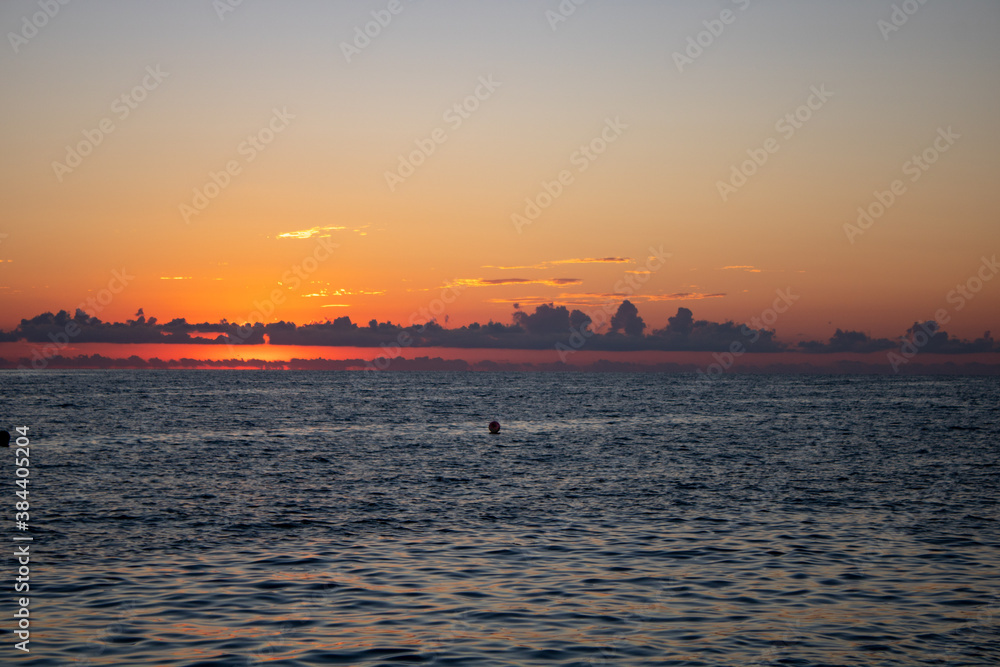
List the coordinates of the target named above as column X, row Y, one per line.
column 363, row 518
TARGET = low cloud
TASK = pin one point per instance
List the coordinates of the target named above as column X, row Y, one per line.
column 938, row 343
column 400, row 364
column 848, row 341
column 684, row 332
column 549, row 324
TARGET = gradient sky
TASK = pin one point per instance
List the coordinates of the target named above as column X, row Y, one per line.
column 63, row 235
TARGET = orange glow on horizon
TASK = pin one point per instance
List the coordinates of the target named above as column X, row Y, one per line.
column 312, row 186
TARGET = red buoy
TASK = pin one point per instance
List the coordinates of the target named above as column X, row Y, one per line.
column 494, row 427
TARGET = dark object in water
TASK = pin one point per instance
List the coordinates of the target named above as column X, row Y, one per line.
column 5, row 439
column 494, row 427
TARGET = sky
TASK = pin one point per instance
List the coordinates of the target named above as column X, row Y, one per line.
column 264, row 160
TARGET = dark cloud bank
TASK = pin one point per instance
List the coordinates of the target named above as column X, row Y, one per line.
column 548, row 327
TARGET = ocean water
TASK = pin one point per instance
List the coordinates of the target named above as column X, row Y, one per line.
column 299, row 518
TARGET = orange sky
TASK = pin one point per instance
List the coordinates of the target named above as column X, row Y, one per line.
column 165, row 98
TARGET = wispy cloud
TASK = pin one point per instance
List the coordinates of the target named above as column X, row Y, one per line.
column 593, row 298
column 309, row 233
column 575, row 260
column 543, row 265
column 562, row 299
column 494, row 282
column 176, row 278
column 684, row 296
column 754, row 269
column 595, row 260
column 343, row 292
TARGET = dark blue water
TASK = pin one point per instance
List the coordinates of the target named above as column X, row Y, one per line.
column 239, row 518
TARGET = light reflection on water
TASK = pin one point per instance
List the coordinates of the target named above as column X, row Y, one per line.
column 361, row 519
